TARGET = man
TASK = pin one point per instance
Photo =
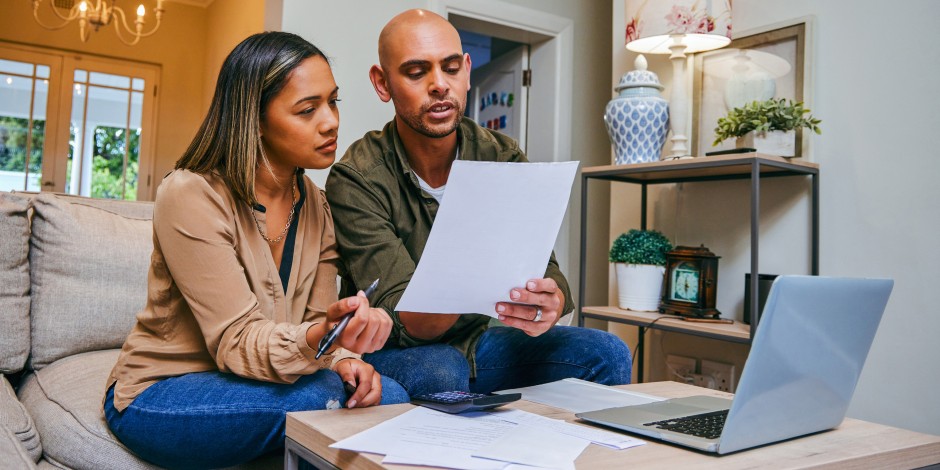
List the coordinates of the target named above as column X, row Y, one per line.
column 384, row 195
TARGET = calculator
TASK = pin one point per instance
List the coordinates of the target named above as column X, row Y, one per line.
column 458, row 402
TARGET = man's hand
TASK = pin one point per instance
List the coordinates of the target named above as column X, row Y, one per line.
column 544, row 299
column 367, row 329
column 368, row 383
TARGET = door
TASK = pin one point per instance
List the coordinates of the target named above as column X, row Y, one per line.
column 26, row 103
column 499, row 94
column 76, row 124
column 110, row 124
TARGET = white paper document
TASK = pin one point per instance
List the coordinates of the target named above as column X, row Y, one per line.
column 578, row 396
column 614, row 440
column 537, row 447
column 471, row 441
column 493, row 232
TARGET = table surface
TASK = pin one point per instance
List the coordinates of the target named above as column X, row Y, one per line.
column 854, row 444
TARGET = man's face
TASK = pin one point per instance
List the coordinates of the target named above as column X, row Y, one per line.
column 428, row 76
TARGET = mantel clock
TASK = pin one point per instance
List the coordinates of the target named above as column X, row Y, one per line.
column 690, row 282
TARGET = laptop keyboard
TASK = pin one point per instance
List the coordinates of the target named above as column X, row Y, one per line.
column 705, row 425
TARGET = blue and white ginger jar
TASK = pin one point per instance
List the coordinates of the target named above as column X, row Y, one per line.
column 638, row 119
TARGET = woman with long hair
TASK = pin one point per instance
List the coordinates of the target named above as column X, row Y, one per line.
column 242, row 280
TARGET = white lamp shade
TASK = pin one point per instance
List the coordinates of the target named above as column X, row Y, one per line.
column 704, row 24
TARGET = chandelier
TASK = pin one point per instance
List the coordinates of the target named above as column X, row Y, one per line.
column 97, row 13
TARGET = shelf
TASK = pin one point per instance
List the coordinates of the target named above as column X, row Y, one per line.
column 750, row 166
column 735, row 332
column 720, row 167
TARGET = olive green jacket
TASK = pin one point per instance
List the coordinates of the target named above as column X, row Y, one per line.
column 383, row 219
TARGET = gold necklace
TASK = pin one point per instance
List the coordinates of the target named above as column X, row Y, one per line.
column 290, row 218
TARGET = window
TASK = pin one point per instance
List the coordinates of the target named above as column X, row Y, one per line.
column 76, row 124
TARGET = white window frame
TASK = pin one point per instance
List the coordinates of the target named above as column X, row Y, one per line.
column 62, row 65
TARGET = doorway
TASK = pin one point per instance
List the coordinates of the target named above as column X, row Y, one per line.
column 498, row 96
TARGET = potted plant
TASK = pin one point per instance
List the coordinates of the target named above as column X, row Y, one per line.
column 640, row 259
column 766, row 126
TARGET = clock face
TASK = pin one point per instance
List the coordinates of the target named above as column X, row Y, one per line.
column 685, row 282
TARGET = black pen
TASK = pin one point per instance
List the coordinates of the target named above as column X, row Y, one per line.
column 334, row 333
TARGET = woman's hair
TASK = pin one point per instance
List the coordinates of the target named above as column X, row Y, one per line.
column 229, row 139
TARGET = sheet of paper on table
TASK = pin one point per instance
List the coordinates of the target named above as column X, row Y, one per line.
column 614, row 440
column 494, row 231
column 472, row 441
column 578, row 396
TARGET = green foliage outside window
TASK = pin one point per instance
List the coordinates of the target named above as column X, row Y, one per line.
column 13, row 136
column 107, row 174
column 110, row 144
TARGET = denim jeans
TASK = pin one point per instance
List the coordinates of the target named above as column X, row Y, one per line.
column 508, row 358
column 214, row 419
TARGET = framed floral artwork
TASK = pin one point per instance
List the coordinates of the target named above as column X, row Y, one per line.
column 757, row 67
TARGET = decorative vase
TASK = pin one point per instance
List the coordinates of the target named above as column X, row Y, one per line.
column 779, row 143
column 639, row 286
column 638, row 119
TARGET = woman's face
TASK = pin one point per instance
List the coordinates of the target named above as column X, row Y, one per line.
column 299, row 127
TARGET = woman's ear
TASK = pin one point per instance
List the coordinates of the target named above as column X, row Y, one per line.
column 380, row 83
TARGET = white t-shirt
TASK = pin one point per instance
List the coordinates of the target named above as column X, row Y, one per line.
column 436, row 193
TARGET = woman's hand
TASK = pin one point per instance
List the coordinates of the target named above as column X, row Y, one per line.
column 368, row 383
column 367, row 329
column 544, row 301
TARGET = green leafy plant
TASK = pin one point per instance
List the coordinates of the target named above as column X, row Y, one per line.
column 763, row 116
column 640, row 247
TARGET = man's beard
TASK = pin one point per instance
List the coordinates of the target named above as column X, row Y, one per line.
column 416, row 123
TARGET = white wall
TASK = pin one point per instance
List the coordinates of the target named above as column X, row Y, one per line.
column 873, row 83
column 348, row 33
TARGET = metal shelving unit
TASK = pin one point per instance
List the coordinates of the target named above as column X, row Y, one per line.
column 751, row 166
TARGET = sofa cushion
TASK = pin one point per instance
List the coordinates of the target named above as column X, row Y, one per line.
column 14, row 282
column 12, row 453
column 65, row 399
column 15, row 419
column 88, row 263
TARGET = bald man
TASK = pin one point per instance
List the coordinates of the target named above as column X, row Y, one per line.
column 385, row 193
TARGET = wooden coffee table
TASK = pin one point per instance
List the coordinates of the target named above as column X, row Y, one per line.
column 854, row 444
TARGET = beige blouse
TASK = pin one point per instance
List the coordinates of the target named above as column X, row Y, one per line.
column 215, row 299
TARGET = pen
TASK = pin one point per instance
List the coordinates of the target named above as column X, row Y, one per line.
column 334, row 333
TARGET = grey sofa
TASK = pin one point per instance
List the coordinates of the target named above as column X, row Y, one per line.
column 73, row 273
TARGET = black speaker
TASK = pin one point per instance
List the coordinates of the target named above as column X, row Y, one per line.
column 764, row 281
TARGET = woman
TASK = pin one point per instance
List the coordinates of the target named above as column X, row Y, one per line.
column 238, row 297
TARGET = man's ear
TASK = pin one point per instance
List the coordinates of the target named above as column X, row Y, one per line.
column 379, row 82
column 468, row 66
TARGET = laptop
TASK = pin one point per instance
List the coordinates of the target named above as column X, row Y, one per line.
column 810, row 346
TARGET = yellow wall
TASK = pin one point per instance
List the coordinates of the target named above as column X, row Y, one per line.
column 227, row 23
column 189, row 47
column 179, row 47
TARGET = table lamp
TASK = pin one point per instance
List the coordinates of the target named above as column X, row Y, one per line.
column 678, row 27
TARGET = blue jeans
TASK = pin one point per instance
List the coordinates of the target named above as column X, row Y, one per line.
column 214, row 419
column 508, row 358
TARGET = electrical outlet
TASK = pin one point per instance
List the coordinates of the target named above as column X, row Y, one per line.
column 721, row 373
column 680, row 367
column 705, row 381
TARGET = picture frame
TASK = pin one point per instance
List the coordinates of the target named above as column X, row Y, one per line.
column 781, row 55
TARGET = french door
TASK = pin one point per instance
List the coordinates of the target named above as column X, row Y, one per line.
column 76, row 124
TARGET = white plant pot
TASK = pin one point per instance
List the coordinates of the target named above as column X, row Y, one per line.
column 771, row 143
column 639, row 286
